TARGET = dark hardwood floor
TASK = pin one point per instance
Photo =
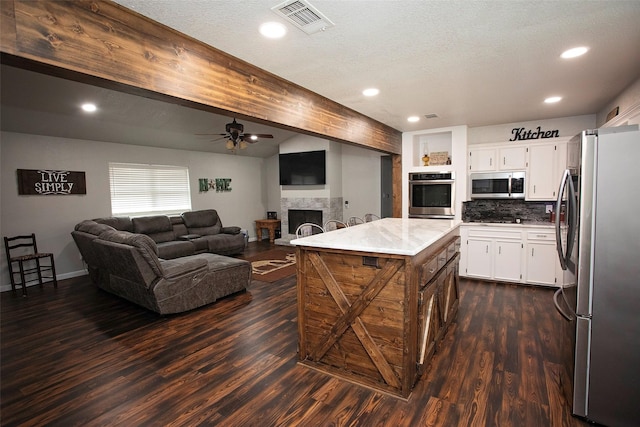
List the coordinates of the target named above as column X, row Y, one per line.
column 79, row 356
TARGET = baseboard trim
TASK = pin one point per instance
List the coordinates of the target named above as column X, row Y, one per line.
column 7, row 286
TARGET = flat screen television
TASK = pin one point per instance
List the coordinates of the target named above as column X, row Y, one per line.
column 307, row 168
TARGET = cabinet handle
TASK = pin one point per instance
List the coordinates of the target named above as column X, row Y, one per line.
column 532, row 251
column 487, row 251
column 499, row 250
column 491, row 162
column 544, row 236
column 534, row 188
column 504, row 160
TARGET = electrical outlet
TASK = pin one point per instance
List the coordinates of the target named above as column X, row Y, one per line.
column 346, row 204
column 548, row 208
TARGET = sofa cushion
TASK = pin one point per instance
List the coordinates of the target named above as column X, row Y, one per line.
column 175, row 249
column 205, row 222
column 92, row 227
column 202, row 218
column 158, row 227
column 225, row 244
column 122, row 223
column 144, row 244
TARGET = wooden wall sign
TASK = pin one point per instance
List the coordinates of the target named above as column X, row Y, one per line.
column 220, row 185
column 49, row 182
column 521, row 134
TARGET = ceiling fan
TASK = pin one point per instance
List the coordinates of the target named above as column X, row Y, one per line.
column 236, row 137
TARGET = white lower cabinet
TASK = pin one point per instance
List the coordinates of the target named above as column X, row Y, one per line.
column 518, row 254
column 507, row 264
column 543, row 266
column 480, row 253
column 491, row 253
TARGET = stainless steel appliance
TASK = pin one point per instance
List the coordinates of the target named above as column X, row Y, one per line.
column 601, row 256
column 497, row 185
column 432, row 195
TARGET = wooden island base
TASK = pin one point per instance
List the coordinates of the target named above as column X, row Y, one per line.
column 372, row 318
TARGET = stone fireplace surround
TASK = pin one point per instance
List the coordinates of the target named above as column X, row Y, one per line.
column 331, row 209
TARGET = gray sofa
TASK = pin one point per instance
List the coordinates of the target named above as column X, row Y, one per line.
column 186, row 234
column 129, row 265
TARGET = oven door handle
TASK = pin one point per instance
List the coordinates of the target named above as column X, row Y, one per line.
column 435, row 181
column 510, row 178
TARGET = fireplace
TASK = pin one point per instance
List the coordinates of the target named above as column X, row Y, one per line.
column 300, row 216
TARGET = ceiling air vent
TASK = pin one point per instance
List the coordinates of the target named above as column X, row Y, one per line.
column 431, row 116
column 303, row 15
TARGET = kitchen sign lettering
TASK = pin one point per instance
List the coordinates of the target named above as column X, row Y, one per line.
column 50, row 182
column 521, row 134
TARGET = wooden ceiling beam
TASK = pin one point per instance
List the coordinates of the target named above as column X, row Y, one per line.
column 103, row 43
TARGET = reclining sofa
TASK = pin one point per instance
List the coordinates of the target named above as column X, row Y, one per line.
column 186, row 276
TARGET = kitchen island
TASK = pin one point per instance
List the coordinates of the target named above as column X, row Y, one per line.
column 374, row 299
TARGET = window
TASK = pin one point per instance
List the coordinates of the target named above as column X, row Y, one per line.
column 138, row 190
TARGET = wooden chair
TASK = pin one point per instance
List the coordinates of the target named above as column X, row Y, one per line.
column 333, row 224
column 354, row 220
column 22, row 253
column 308, row 229
column 370, row 217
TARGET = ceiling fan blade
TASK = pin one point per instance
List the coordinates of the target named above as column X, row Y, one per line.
column 209, row 134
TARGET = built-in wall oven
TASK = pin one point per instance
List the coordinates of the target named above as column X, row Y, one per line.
column 432, row 195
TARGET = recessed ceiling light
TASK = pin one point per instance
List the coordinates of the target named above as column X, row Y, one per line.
column 273, row 30
column 89, row 108
column 553, row 99
column 413, row 119
column 575, row 52
column 370, row 92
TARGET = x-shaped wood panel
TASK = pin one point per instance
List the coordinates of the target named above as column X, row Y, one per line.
column 351, row 312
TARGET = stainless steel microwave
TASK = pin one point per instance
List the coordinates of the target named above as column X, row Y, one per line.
column 497, row 185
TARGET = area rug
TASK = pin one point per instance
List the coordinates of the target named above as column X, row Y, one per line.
column 273, row 264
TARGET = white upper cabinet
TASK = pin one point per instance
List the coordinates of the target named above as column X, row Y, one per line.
column 498, row 159
column 547, row 162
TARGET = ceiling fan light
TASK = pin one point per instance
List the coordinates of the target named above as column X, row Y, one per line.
column 253, row 138
column 243, row 145
column 230, row 145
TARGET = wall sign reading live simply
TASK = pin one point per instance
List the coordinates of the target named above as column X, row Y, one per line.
column 49, row 182
column 521, row 134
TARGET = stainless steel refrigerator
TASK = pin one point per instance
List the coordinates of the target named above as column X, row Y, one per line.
column 599, row 249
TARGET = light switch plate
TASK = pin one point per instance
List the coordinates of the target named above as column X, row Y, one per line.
column 548, row 208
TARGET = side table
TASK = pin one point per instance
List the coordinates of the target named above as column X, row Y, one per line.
column 270, row 224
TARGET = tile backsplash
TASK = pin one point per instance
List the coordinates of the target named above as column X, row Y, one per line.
column 491, row 210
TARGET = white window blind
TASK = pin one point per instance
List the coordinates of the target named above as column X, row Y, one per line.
column 138, row 190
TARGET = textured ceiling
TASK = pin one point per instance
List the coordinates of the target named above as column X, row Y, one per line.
column 470, row 62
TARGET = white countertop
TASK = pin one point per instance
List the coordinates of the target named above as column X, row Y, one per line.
column 397, row 236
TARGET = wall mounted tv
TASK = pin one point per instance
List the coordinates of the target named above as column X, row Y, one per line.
column 308, row 168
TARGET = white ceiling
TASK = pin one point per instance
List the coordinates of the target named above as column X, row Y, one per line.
column 470, row 62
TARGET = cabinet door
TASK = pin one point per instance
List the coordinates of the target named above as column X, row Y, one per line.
column 507, row 260
column 479, row 257
column 542, row 177
column 482, row 159
column 541, row 263
column 429, row 323
column 512, row 158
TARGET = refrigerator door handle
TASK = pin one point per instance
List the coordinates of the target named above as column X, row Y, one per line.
column 561, row 254
column 556, row 296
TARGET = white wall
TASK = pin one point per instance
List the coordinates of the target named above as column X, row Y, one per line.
column 361, row 182
column 52, row 218
column 628, row 102
column 567, row 126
